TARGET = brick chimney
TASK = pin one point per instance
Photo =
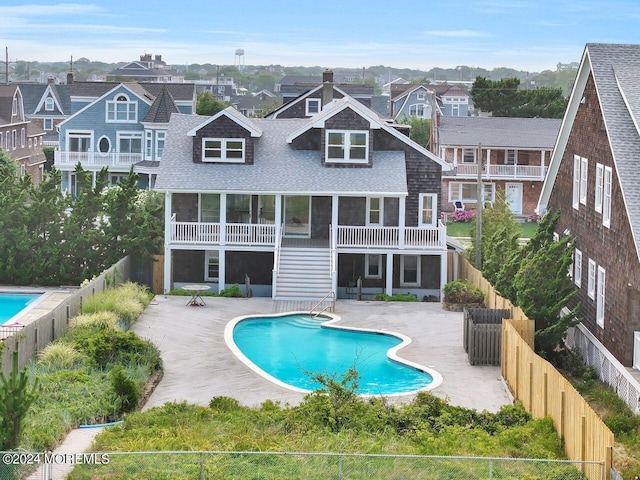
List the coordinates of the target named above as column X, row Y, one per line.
column 327, row 87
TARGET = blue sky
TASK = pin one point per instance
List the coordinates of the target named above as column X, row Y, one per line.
column 522, row 34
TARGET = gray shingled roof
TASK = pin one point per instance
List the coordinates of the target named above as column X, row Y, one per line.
column 277, row 166
column 499, row 132
column 162, row 108
column 615, row 70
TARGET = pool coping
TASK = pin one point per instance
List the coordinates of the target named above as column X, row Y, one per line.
column 392, row 353
column 43, row 294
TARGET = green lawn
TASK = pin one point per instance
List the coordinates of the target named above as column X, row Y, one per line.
column 462, row 229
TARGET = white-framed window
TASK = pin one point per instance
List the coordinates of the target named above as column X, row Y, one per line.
column 417, row 110
column 48, row 124
column 48, row 104
column 160, row 138
column 577, row 267
column 576, row 181
column 428, row 210
column 375, row 210
column 600, row 293
column 116, row 178
column 410, row 270
column 129, row 142
column 373, row 265
column 23, row 169
column 148, row 144
column 467, row 192
column 591, row 280
column 14, row 139
column 23, row 137
column 347, row 146
column 313, row 106
column 31, row 142
column 606, row 197
column 468, row 155
column 510, row 157
column 421, row 95
column 104, row 144
column 212, row 266
column 584, row 168
column 599, row 186
column 121, row 109
column 14, row 106
column 229, row 150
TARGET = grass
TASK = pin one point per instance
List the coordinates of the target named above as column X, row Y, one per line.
column 463, row 229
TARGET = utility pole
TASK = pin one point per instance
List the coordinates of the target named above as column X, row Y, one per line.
column 479, row 207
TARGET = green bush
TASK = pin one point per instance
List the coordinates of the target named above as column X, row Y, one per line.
column 232, row 291
column 224, row 404
column 398, row 297
column 125, row 388
column 462, row 292
column 127, row 301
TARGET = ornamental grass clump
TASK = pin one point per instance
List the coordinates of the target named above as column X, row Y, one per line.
column 128, row 301
column 60, row 356
column 102, row 320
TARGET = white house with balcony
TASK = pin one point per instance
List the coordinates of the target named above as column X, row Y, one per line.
column 117, row 128
column 515, row 157
column 302, row 207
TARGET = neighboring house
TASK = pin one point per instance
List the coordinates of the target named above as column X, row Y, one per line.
column 47, row 105
column 148, row 69
column 302, row 206
column 117, row 126
column 594, row 181
column 416, row 100
column 309, row 86
column 515, row 156
column 19, row 138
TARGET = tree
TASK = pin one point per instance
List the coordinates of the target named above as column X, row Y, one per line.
column 544, row 287
column 503, row 99
column 208, row 105
column 420, row 131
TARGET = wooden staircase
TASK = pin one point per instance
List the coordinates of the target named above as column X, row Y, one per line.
column 303, row 274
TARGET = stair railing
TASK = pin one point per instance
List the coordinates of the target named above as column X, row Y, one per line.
column 331, row 307
column 276, row 258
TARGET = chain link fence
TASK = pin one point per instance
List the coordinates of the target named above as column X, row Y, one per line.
column 278, row 466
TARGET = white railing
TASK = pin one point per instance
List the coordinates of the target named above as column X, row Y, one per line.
column 198, row 233
column 388, row 237
column 111, row 159
column 536, row 172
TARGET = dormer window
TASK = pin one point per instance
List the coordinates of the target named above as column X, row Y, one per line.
column 347, row 146
column 313, row 106
column 421, row 95
column 227, row 150
column 48, row 104
column 121, row 109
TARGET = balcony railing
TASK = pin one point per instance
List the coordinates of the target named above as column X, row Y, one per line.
column 199, row 233
column 98, row 159
column 524, row 172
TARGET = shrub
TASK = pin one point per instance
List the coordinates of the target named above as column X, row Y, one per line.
column 127, row 390
column 462, row 292
column 398, row 297
column 127, row 301
column 463, row 215
column 102, row 320
column 233, row 291
column 224, row 404
column 60, row 356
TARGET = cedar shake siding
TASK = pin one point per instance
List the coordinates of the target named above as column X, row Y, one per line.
column 347, row 119
column 611, row 248
column 223, row 127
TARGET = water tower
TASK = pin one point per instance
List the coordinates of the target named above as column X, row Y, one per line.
column 239, row 61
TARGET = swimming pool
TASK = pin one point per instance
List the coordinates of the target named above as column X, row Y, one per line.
column 13, row 303
column 285, row 348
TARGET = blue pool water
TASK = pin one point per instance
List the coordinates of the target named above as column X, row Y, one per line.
column 11, row 304
column 285, row 347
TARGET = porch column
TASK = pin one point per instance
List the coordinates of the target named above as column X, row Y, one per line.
column 167, row 242
column 223, row 219
column 401, row 221
column 278, row 213
column 93, row 179
column 333, row 238
column 488, row 163
column 443, row 273
column 388, row 284
column 455, row 156
column 543, row 154
column 222, row 274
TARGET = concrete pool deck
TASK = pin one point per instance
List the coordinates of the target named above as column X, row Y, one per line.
column 198, row 365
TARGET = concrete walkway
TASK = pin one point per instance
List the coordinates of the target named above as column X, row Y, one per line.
column 199, row 365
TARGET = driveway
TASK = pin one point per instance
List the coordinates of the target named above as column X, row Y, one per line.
column 198, row 365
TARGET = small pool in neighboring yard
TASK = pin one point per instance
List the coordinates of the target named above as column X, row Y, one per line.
column 13, row 303
column 283, row 347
